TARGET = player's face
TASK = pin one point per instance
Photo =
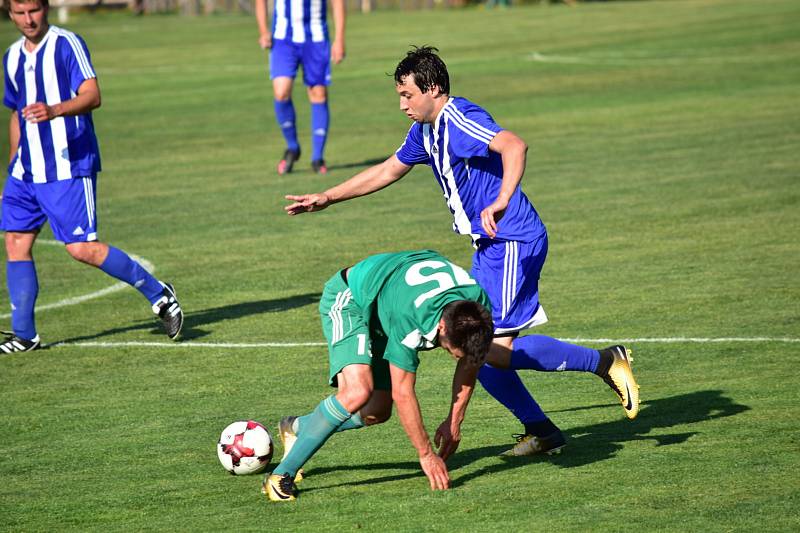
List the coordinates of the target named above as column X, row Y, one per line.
column 30, row 19
column 418, row 106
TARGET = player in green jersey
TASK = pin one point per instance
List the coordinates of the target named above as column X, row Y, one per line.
column 377, row 316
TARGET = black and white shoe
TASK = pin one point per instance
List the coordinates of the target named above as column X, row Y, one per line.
column 169, row 311
column 11, row 343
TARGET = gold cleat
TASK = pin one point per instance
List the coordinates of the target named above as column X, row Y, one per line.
column 620, row 379
column 279, row 488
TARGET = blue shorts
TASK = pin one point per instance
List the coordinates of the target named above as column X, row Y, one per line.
column 509, row 273
column 286, row 56
column 67, row 204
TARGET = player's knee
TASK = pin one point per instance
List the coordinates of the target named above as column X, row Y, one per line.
column 355, row 396
column 19, row 246
column 86, row 252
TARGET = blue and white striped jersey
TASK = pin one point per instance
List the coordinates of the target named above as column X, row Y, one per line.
column 456, row 146
column 300, row 21
column 65, row 147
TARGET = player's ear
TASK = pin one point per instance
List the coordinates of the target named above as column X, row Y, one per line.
column 441, row 329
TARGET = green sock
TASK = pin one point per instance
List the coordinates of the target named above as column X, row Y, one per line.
column 317, row 427
column 354, row 422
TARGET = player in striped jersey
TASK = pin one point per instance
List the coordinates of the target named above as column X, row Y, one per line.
column 51, row 89
column 479, row 166
column 299, row 36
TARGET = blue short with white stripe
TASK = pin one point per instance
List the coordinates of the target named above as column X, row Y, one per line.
column 509, row 273
column 285, row 57
column 67, row 204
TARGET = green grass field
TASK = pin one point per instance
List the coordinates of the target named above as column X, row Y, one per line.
column 664, row 157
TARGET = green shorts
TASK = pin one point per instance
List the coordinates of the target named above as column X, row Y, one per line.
column 350, row 341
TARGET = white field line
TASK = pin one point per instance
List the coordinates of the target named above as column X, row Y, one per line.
column 641, row 340
column 636, row 59
column 147, row 265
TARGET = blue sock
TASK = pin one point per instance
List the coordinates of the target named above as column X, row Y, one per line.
column 319, row 129
column 23, row 288
column 546, row 354
column 284, row 114
column 119, row 265
column 315, row 429
column 506, row 387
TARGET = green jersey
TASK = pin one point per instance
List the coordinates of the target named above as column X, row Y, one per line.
column 403, row 295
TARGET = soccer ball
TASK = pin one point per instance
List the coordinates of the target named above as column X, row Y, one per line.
column 245, row 447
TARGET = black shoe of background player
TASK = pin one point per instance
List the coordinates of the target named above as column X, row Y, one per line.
column 286, row 164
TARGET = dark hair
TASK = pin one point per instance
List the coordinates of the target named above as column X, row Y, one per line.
column 469, row 328
column 428, row 69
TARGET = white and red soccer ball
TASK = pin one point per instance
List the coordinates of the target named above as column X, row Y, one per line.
column 245, row 447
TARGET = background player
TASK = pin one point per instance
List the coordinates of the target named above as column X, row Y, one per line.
column 300, row 37
column 479, row 167
column 53, row 170
column 377, row 316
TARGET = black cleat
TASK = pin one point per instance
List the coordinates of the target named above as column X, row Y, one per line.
column 169, row 311
column 532, row 445
column 11, row 343
column 318, row 166
column 286, row 164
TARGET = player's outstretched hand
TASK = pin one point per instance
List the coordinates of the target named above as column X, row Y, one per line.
column 435, row 469
column 491, row 215
column 447, row 439
column 306, row 203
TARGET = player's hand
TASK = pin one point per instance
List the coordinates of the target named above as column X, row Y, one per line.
column 435, row 469
column 306, row 203
column 337, row 52
column 38, row 112
column 447, row 439
column 491, row 215
column 265, row 41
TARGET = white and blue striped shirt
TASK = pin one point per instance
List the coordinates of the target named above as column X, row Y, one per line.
column 300, row 21
column 64, row 147
column 456, row 146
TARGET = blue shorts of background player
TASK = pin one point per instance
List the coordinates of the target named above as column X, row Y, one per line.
column 315, row 58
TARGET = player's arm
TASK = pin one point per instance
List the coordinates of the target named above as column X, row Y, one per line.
column 405, row 398
column 13, row 135
column 448, row 435
column 339, row 16
column 366, row 182
column 264, row 35
column 513, row 150
column 88, row 98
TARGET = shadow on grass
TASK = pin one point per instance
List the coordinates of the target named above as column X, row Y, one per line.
column 195, row 320
column 585, row 444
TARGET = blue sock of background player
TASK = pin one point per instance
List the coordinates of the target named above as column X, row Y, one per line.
column 320, row 121
column 285, row 115
column 23, row 288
